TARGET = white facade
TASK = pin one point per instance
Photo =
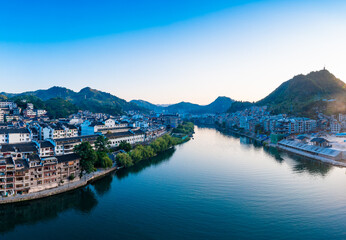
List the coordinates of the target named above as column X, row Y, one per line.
column 47, row 132
column 131, row 137
column 2, row 116
column 41, row 112
column 9, row 105
column 14, row 136
column 60, row 132
column 110, row 123
column 335, row 127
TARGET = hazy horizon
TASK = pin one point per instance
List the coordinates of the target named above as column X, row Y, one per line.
column 164, row 53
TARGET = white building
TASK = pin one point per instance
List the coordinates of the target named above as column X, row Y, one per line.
column 59, row 131
column 41, row 112
column 131, row 137
column 2, row 116
column 9, row 105
column 110, row 123
column 15, row 135
column 335, row 127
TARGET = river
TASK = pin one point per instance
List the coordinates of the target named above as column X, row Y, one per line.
column 216, row 186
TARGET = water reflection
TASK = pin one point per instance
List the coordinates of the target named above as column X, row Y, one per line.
column 103, row 185
column 299, row 164
column 310, row 166
column 31, row 212
column 83, row 200
column 275, row 153
column 163, row 157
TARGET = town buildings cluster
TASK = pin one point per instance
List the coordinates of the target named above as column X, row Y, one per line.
column 37, row 153
column 320, row 138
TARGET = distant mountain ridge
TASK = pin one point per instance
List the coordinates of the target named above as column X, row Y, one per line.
column 220, row 105
column 301, row 95
column 148, row 105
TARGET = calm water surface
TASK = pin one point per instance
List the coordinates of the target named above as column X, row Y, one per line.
column 213, row 187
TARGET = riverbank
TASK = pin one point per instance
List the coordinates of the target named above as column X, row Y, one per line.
column 179, row 135
column 85, row 180
column 140, row 152
column 248, row 135
column 310, row 156
column 286, row 149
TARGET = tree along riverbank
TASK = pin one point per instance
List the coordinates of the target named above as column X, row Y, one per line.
column 179, row 135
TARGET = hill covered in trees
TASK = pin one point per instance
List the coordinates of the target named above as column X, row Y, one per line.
column 304, row 95
column 86, row 99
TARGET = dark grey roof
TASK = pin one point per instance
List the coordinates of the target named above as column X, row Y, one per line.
column 34, row 131
column 23, row 163
column 77, row 139
column 124, row 134
column 20, row 147
column 34, row 157
column 6, row 161
column 67, row 157
column 319, row 140
column 70, row 126
column 14, row 130
column 46, row 144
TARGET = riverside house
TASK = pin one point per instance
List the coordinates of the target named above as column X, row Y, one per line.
column 34, row 174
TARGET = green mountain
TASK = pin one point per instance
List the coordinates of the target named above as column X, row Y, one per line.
column 86, row 99
column 148, row 105
column 53, row 92
column 304, row 95
column 220, row 105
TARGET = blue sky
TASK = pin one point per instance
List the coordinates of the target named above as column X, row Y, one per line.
column 169, row 51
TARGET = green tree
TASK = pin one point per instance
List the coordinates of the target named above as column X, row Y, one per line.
column 148, row 152
column 88, row 157
column 58, row 107
column 145, row 152
column 125, row 146
column 103, row 160
column 102, row 144
column 137, row 153
column 155, row 145
column 71, row 177
column 123, row 159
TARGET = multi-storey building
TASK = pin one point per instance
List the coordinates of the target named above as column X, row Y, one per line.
column 66, row 145
column 335, row 127
column 8, row 105
column 131, row 137
column 34, row 174
column 14, row 135
column 56, row 131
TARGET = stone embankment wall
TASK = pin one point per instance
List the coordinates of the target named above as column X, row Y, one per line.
column 85, row 180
